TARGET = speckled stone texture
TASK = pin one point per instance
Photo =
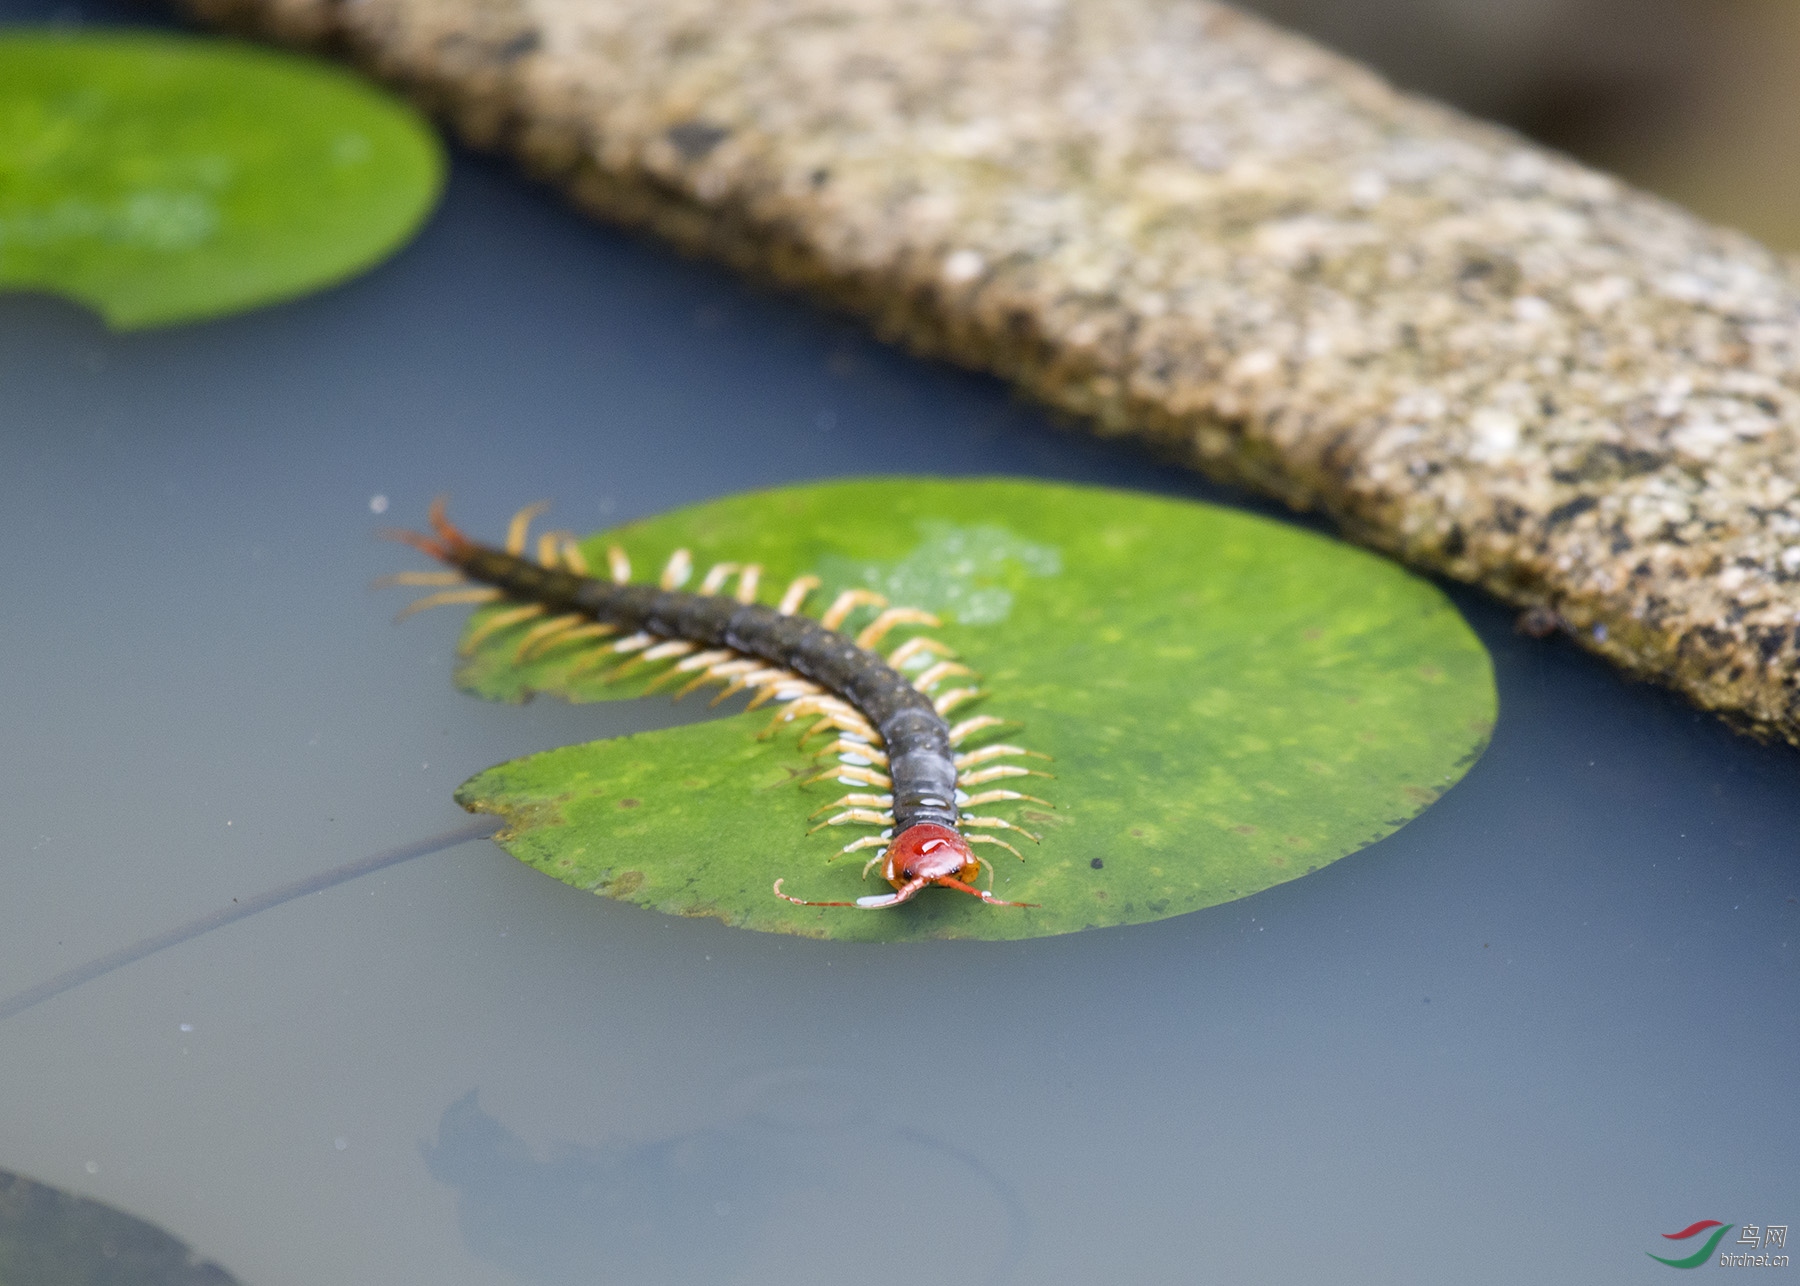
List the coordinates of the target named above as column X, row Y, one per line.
column 1187, row 227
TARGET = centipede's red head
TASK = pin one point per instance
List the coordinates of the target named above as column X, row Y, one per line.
column 929, row 852
column 917, row 858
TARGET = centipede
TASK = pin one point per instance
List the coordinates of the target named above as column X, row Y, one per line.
column 887, row 715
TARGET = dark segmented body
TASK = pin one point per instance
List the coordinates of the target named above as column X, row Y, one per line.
column 915, row 737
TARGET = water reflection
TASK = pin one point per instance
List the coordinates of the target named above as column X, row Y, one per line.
column 801, row 1185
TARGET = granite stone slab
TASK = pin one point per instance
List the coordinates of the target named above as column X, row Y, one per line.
column 1184, row 226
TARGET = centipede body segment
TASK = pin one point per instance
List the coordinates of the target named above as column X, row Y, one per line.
column 890, row 731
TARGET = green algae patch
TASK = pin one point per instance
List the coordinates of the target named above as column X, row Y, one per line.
column 1229, row 703
column 159, row 178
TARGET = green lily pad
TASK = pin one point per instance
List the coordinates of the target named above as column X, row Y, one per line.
column 160, row 178
column 49, row 1237
column 1230, row 703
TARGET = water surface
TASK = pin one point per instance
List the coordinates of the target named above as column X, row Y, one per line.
column 1550, row 1020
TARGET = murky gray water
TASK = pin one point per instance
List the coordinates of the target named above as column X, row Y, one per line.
column 1550, row 1020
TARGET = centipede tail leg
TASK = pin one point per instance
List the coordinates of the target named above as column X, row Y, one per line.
column 455, row 543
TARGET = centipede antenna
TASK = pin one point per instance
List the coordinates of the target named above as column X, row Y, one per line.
column 795, row 596
column 950, row 882
column 804, row 902
column 450, row 597
column 618, row 565
column 676, row 571
column 905, row 893
column 519, row 528
column 496, row 623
